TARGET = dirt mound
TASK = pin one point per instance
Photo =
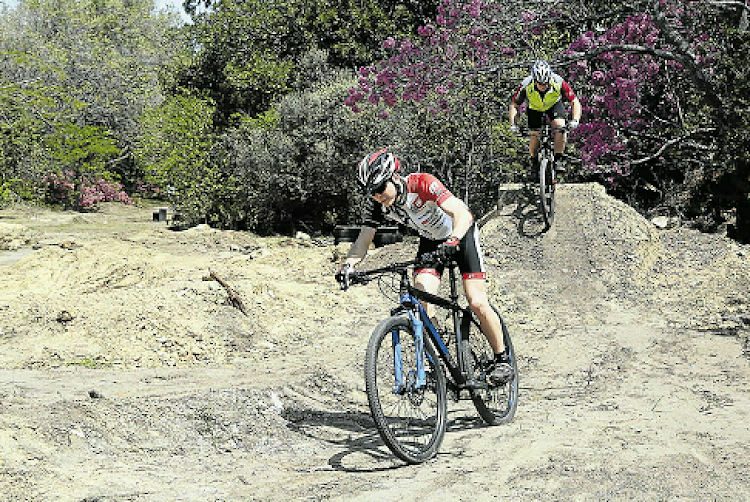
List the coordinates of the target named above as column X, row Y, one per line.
column 127, row 375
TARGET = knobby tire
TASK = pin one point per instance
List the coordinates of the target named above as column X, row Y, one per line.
column 496, row 405
column 547, row 184
column 412, row 421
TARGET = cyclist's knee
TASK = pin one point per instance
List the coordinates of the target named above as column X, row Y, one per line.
column 480, row 306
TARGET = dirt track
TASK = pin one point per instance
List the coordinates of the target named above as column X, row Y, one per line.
column 123, row 376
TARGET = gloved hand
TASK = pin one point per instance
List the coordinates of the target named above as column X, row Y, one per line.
column 572, row 125
column 344, row 274
column 447, row 249
column 515, row 130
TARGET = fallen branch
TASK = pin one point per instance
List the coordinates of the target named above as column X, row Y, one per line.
column 232, row 298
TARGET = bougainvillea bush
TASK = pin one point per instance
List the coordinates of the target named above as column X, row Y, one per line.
column 80, row 193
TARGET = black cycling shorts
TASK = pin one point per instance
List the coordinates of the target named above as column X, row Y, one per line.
column 535, row 116
column 469, row 255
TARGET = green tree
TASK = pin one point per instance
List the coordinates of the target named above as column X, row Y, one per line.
column 249, row 51
column 292, row 164
column 174, row 152
column 79, row 63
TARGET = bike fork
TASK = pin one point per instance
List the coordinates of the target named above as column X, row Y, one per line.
column 419, row 348
column 421, row 377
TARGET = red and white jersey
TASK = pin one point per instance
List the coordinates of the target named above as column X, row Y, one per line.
column 419, row 210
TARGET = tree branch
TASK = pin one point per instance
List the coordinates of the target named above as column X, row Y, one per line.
column 670, row 143
column 232, row 298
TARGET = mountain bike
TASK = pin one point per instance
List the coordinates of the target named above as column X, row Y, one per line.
column 407, row 358
column 545, row 163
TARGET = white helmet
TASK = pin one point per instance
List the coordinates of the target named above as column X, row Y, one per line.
column 376, row 169
column 541, row 72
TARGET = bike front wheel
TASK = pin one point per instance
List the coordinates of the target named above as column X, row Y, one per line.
column 410, row 415
column 547, row 184
column 495, row 404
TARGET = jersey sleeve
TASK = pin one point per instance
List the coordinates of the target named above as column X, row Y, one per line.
column 428, row 187
column 567, row 91
column 520, row 96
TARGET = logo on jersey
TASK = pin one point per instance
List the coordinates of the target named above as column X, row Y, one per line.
column 434, row 188
column 418, row 203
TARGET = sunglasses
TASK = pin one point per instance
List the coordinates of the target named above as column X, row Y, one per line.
column 378, row 188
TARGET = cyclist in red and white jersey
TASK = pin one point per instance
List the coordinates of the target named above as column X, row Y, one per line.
column 545, row 91
column 445, row 225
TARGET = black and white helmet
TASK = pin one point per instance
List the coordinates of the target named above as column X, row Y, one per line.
column 377, row 168
column 541, row 72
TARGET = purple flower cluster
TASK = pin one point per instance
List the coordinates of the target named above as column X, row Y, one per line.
column 614, row 88
column 80, row 193
column 426, row 70
column 625, row 94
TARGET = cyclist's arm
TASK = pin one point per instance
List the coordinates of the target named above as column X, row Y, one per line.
column 462, row 218
column 576, row 110
column 570, row 96
column 359, row 248
column 513, row 112
column 516, row 101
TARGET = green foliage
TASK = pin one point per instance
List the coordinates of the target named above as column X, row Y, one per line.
column 174, row 153
column 250, row 51
column 293, row 166
column 84, row 150
column 92, row 63
column 18, row 190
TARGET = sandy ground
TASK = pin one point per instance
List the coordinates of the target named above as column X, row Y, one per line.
column 125, row 376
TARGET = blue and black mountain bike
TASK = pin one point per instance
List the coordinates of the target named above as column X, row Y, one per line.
column 410, row 365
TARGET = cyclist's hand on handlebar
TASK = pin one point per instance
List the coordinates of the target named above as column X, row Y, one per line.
column 344, row 275
column 515, row 130
column 572, row 125
column 447, row 249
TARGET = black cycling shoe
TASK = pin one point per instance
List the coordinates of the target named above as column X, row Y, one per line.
column 500, row 372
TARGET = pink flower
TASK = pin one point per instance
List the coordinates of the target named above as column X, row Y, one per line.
column 426, row 31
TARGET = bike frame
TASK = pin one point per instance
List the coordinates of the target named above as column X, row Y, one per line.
column 410, row 303
column 546, row 141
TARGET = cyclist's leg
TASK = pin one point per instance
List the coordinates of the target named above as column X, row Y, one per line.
column 535, row 123
column 557, row 116
column 471, row 264
column 476, row 294
column 428, row 278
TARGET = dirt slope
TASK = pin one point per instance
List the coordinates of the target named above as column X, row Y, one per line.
column 124, row 376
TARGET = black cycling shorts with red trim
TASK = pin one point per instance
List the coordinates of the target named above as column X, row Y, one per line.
column 557, row 111
column 468, row 257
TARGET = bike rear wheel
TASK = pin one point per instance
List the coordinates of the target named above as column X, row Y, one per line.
column 495, row 404
column 410, row 418
column 547, row 184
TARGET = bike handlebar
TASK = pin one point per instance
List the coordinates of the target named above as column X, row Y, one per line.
column 365, row 276
column 524, row 130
